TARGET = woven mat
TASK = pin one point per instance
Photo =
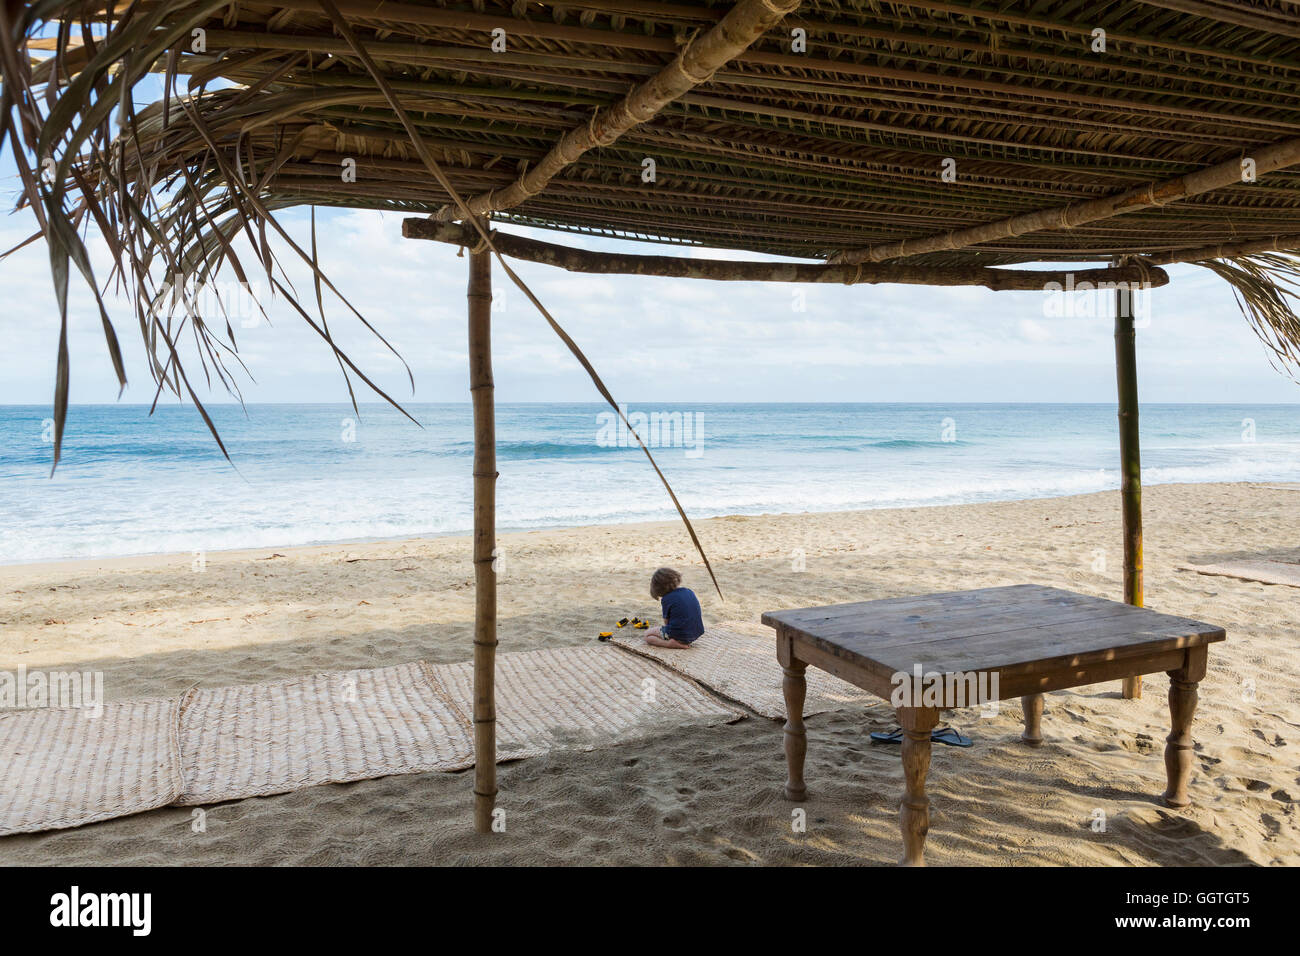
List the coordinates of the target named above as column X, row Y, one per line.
column 581, row 698
column 274, row 737
column 61, row 768
column 1258, row 570
column 738, row 660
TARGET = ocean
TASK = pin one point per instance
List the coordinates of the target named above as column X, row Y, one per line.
column 131, row 483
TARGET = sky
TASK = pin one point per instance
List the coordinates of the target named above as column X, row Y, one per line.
column 652, row 339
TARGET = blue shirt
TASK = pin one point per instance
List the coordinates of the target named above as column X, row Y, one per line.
column 682, row 618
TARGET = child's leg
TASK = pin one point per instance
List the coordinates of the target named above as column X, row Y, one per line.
column 655, row 636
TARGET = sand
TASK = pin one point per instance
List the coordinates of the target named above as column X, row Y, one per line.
column 156, row 626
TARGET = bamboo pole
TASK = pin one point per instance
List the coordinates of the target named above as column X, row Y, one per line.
column 744, row 23
column 1130, row 459
column 1283, row 23
column 1228, row 250
column 1267, row 159
column 485, row 585
column 727, row 270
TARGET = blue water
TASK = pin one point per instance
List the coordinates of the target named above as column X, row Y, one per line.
column 134, row 484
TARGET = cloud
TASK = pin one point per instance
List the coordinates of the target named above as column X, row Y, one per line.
column 651, row 338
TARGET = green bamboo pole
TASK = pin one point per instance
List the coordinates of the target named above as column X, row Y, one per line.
column 485, row 585
column 1130, row 458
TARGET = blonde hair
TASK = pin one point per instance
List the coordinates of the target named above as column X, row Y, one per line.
column 663, row 581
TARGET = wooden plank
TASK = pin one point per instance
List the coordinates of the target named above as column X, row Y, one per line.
column 1120, row 620
column 965, row 624
column 1030, row 635
column 1033, row 649
column 877, row 678
column 1094, row 673
column 872, row 678
column 860, row 627
column 886, row 611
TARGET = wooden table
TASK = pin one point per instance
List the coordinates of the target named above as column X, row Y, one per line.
column 1029, row 639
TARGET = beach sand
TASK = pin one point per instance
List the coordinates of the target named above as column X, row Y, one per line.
column 157, row 626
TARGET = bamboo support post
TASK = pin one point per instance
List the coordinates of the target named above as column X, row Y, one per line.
column 485, row 585
column 1130, row 459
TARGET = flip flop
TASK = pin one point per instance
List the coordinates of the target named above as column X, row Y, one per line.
column 942, row 735
column 946, row 735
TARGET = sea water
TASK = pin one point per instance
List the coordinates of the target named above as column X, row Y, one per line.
column 132, row 483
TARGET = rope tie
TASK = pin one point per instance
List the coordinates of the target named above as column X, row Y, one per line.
column 484, row 242
column 694, row 78
column 1142, row 265
column 679, row 64
column 856, row 276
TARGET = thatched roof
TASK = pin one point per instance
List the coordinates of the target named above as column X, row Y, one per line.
column 1073, row 145
column 798, row 153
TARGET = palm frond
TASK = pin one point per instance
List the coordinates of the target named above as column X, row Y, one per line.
column 1267, row 289
column 167, row 188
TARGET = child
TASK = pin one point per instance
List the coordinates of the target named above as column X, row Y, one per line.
column 683, row 622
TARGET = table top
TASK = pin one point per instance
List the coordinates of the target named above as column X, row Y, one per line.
column 1002, row 629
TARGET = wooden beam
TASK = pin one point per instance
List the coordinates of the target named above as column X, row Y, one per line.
column 1283, row 23
column 746, row 22
column 481, row 391
column 726, row 270
column 1227, row 250
column 1267, row 159
column 1130, row 459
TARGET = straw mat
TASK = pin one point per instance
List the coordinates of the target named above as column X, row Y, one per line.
column 228, row 743
column 738, row 660
column 1261, row 571
column 257, row 739
column 65, row 768
column 580, row 698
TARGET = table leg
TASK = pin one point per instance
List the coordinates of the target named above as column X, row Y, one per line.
column 796, row 737
column 914, row 812
column 1033, row 707
column 1178, row 745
